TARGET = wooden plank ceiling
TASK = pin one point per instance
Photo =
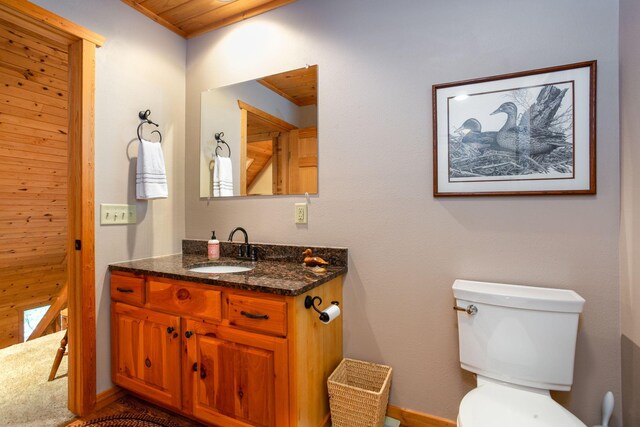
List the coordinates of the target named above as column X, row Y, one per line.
column 298, row 86
column 190, row 18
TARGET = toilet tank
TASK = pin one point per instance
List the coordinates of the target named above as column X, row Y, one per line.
column 520, row 334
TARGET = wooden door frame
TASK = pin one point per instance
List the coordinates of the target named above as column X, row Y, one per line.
column 81, row 45
column 278, row 125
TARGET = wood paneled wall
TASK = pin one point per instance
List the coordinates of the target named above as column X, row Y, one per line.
column 34, row 117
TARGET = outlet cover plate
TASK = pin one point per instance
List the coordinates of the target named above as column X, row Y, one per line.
column 111, row 214
column 301, row 213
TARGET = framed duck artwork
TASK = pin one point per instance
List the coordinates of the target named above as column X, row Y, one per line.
column 526, row 133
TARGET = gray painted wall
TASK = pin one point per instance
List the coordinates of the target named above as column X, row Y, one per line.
column 377, row 62
column 141, row 65
column 630, row 215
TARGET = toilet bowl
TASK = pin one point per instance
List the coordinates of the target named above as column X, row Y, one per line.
column 520, row 342
column 503, row 405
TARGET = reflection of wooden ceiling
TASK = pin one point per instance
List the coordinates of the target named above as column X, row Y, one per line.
column 258, row 155
column 190, row 18
column 260, row 134
column 298, row 86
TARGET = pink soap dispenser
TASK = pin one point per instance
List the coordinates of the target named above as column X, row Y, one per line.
column 213, row 247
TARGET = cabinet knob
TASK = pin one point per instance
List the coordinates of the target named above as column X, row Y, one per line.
column 170, row 329
column 195, row 367
column 183, row 294
column 203, row 372
column 147, row 362
column 124, row 290
column 188, row 334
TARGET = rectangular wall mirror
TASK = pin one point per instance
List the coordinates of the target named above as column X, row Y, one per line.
column 260, row 137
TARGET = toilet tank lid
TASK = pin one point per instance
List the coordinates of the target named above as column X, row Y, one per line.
column 517, row 296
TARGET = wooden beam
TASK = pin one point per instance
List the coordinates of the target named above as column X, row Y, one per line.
column 80, row 246
column 276, row 121
column 22, row 9
column 51, row 314
column 243, row 149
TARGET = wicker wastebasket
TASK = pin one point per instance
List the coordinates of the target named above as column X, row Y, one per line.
column 359, row 393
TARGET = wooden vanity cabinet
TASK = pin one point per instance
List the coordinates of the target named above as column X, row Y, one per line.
column 224, row 356
column 236, row 376
column 146, row 353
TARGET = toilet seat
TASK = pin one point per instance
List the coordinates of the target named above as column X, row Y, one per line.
column 499, row 405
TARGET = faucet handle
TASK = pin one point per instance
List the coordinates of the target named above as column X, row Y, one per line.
column 240, row 251
column 254, row 253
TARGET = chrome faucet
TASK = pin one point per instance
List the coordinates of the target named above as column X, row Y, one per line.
column 245, row 251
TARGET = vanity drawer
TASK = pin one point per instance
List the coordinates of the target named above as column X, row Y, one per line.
column 188, row 300
column 258, row 314
column 128, row 289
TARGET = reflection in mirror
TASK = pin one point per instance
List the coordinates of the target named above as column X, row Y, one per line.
column 260, row 137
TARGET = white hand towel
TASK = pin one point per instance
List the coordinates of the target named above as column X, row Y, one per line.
column 151, row 176
column 215, row 185
column 223, row 177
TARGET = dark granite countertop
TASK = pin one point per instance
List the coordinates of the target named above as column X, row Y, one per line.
column 276, row 277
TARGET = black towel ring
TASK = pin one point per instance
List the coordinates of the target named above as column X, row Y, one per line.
column 144, row 116
column 219, row 141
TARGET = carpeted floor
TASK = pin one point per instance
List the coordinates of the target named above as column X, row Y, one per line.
column 27, row 399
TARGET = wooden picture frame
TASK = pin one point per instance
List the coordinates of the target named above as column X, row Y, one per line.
column 525, row 133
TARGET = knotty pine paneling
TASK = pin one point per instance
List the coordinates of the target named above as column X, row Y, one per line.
column 190, row 18
column 34, row 122
column 12, row 37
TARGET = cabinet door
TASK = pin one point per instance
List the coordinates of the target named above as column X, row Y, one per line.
column 146, row 353
column 238, row 378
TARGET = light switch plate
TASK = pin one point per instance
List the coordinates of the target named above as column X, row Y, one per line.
column 117, row 214
column 301, row 213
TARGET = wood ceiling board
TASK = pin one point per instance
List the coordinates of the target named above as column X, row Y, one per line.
column 194, row 17
column 261, row 148
column 27, row 104
column 30, row 114
column 258, row 126
column 278, row 123
column 155, row 17
column 160, row 6
column 298, row 86
column 236, row 11
column 256, row 137
column 23, row 297
column 11, row 65
column 190, row 11
column 18, row 38
column 260, row 152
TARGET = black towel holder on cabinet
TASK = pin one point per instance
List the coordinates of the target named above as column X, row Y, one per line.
column 144, row 116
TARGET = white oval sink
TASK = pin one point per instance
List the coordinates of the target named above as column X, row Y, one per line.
column 213, row 269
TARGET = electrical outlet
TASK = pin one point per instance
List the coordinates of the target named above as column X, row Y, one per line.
column 117, row 214
column 301, row 213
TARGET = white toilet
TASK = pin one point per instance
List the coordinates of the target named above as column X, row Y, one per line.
column 520, row 341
